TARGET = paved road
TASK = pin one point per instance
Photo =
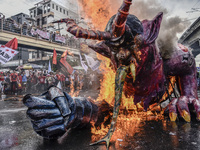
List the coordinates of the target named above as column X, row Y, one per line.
column 16, row 133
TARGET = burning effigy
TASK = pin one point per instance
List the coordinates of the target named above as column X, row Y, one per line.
column 140, row 73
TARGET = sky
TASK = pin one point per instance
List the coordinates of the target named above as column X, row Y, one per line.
column 175, row 7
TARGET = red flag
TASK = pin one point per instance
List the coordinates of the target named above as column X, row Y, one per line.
column 54, row 57
column 65, row 63
column 13, row 44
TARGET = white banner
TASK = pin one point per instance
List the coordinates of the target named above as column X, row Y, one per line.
column 85, row 67
column 59, row 38
column 93, row 64
column 43, row 34
column 6, row 54
column 33, row 32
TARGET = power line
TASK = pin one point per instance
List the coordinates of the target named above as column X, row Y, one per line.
column 189, row 19
column 192, row 8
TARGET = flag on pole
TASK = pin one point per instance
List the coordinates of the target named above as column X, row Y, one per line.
column 93, row 64
column 49, row 69
column 54, row 57
column 13, row 44
column 85, row 67
column 65, row 66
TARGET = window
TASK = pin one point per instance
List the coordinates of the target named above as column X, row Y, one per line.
column 53, row 6
column 56, row 7
column 45, row 9
column 44, row 20
column 60, row 9
column 34, row 13
column 63, row 11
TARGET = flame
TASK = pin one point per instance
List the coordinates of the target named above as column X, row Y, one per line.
column 170, row 88
column 127, row 126
column 72, row 92
column 99, row 13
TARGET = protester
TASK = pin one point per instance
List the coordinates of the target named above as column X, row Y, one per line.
column 50, row 79
column 24, row 81
column 2, row 79
column 19, row 83
column 34, row 82
column 41, row 79
column 14, row 79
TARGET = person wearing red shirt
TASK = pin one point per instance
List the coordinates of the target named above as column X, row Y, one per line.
column 41, row 79
column 2, row 79
column 58, row 77
column 14, row 78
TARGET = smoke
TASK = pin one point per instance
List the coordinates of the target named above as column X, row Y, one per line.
column 100, row 11
column 170, row 26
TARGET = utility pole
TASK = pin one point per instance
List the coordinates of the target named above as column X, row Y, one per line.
column 2, row 17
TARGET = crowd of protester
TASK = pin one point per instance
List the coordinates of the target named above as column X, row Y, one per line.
column 25, row 29
column 37, row 81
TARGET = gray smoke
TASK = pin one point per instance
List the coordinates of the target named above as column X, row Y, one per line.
column 170, row 26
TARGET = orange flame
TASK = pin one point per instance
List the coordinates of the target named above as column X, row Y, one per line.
column 72, row 92
column 170, row 88
column 99, row 13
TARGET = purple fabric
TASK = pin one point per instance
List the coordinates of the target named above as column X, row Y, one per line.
column 150, row 74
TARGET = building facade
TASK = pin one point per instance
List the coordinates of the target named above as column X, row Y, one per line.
column 21, row 18
column 47, row 11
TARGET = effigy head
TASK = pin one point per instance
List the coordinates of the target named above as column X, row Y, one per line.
column 133, row 27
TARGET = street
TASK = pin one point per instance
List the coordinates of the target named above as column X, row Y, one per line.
column 16, row 133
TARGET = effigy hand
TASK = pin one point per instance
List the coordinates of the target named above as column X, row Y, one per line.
column 55, row 111
column 181, row 104
column 49, row 113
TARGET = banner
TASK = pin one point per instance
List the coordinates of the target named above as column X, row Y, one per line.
column 60, row 38
column 33, row 32
column 93, row 64
column 43, row 34
column 85, row 67
column 54, row 57
column 66, row 65
column 6, row 54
